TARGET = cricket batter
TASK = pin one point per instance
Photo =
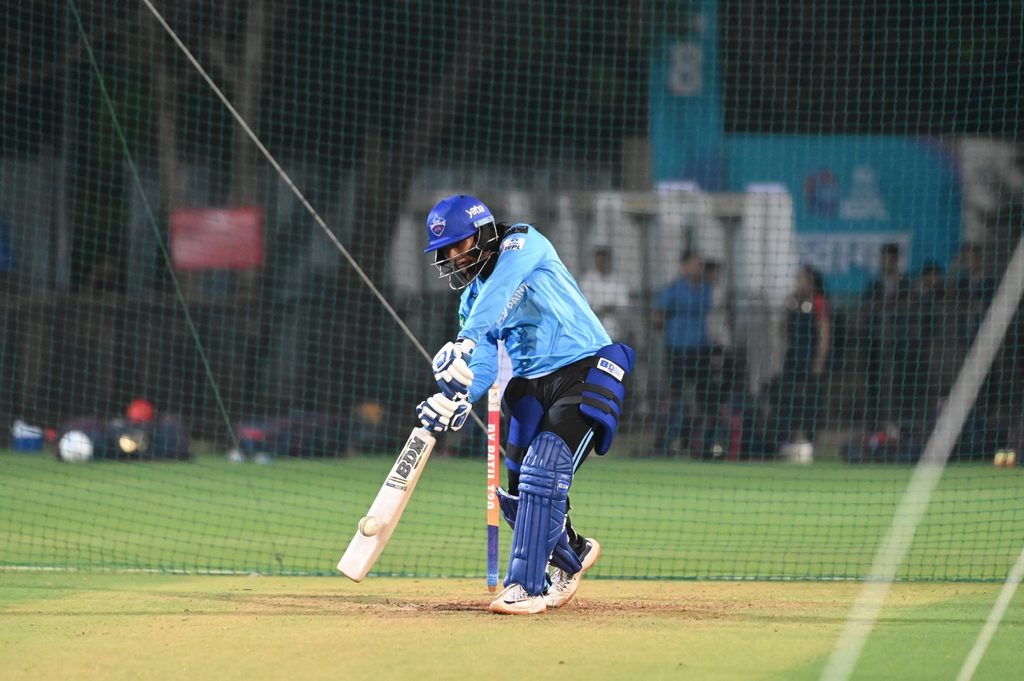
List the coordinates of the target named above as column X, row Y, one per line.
column 564, row 399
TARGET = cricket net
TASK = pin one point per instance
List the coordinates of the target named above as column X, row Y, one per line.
column 212, row 218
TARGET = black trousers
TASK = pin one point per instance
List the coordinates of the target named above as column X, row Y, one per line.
column 798, row 402
column 558, row 395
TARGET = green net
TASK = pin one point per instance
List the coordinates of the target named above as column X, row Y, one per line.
column 798, row 214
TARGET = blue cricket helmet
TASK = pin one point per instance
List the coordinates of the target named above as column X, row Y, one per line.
column 455, row 218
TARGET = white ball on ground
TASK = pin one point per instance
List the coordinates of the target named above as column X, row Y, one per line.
column 75, row 446
column 801, row 452
column 369, row 526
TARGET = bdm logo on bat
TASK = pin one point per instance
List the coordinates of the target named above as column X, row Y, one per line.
column 407, row 462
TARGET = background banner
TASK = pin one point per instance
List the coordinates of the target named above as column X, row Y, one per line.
column 853, row 194
column 686, row 101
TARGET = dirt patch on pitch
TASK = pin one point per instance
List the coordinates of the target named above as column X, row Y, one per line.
column 702, row 602
column 716, row 604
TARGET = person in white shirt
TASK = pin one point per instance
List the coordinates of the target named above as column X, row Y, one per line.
column 607, row 294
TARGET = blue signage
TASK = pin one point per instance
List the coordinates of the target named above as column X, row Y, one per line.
column 686, row 102
column 853, row 194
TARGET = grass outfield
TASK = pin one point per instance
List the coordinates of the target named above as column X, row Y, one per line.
column 115, row 626
column 655, row 518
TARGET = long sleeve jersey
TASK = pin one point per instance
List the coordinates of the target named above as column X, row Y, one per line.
column 532, row 303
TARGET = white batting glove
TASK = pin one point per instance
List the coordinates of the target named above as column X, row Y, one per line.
column 451, row 367
column 439, row 412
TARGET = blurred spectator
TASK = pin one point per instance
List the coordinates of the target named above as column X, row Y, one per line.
column 719, row 330
column 998, row 416
column 6, row 257
column 682, row 310
column 971, row 289
column 968, row 274
column 882, row 303
column 722, row 377
column 890, row 282
column 914, row 387
column 929, row 284
column 927, row 294
column 808, row 333
column 607, row 294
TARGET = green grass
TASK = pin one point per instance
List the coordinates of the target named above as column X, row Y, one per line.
column 115, row 626
column 656, row 518
column 672, row 520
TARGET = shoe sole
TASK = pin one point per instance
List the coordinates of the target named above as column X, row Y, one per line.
column 499, row 610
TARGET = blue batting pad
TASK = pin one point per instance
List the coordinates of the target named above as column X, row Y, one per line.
column 563, row 556
column 546, row 475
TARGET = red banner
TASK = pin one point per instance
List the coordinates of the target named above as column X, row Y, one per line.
column 217, row 238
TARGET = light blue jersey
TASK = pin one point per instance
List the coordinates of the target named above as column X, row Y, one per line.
column 532, row 303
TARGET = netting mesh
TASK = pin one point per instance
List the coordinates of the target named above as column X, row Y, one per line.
column 799, row 214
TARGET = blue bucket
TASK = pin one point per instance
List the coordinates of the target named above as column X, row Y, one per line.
column 26, row 438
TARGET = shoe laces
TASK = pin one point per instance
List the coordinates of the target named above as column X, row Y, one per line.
column 518, row 593
column 560, row 580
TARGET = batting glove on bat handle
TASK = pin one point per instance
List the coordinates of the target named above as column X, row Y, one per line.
column 439, row 413
column 451, row 367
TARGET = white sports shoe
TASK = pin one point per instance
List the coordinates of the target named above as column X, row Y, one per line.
column 513, row 600
column 563, row 585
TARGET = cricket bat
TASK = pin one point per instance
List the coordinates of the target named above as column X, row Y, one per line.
column 379, row 522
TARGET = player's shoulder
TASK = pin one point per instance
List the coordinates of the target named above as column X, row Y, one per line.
column 518, row 237
column 523, row 236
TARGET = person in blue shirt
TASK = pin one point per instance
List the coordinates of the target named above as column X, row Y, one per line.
column 564, row 400
column 682, row 310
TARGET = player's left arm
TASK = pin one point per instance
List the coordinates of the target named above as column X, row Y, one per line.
column 484, row 368
column 464, row 372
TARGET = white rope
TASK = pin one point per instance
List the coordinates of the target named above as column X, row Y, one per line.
column 927, row 473
column 994, row 618
column 295, row 190
column 287, row 180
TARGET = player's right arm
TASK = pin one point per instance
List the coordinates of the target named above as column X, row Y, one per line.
column 484, row 306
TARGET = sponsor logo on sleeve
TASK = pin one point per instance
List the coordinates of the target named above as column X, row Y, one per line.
column 513, row 244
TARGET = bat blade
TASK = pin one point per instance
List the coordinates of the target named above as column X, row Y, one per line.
column 388, row 506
